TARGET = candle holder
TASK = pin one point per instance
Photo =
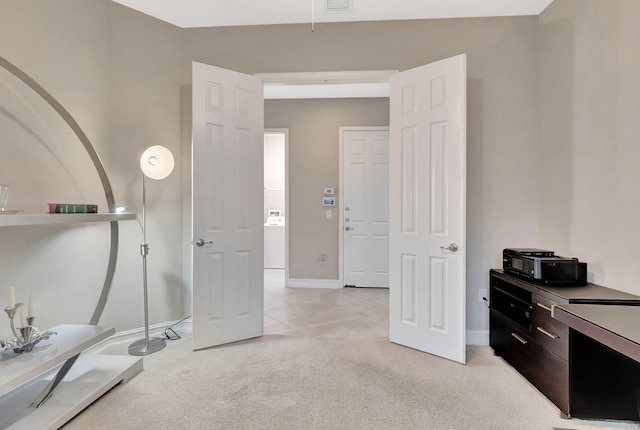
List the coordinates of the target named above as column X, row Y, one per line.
column 25, row 337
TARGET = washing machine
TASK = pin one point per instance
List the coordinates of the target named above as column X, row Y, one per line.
column 274, row 242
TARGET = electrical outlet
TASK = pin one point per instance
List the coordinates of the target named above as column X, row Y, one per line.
column 329, row 214
column 323, row 258
column 482, row 295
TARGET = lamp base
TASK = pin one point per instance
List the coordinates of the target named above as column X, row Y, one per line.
column 140, row 347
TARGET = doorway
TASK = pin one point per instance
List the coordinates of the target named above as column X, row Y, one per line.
column 275, row 199
column 428, row 112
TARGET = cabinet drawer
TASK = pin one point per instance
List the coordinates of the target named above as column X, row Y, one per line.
column 542, row 314
column 547, row 331
column 548, row 372
column 555, row 341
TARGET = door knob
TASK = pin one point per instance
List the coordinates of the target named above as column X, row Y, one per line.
column 349, row 228
column 452, row 247
column 202, row 242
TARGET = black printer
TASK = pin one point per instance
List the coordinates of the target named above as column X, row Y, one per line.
column 544, row 266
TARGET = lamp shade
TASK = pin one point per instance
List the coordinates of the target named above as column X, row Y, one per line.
column 157, row 162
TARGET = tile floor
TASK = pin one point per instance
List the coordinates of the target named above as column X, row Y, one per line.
column 346, row 312
column 335, row 313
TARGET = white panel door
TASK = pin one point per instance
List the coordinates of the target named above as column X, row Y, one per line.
column 365, row 207
column 228, row 115
column 428, row 210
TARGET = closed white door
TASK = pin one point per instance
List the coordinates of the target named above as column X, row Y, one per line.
column 227, row 160
column 365, row 206
column 428, row 208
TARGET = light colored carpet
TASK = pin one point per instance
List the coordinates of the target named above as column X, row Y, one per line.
column 293, row 382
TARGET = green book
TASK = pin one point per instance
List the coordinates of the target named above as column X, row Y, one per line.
column 66, row 208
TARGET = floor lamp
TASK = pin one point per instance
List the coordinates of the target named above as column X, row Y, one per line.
column 156, row 163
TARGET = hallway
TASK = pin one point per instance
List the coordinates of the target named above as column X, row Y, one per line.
column 329, row 313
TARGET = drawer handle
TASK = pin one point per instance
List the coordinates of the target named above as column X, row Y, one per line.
column 547, row 308
column 524, row 342
column 551, row 335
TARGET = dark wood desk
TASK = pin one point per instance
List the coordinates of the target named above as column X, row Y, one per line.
column 617, row 327
column 523, row 332
column 605, row 359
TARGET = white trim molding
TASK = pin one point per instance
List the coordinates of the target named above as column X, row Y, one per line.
column 326, row 91
column 311, row 78
column 314, row 283
column 308, row 85
column 128, row 336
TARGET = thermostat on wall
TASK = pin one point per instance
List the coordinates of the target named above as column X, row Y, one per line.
column 328, row 201
column 328, row 191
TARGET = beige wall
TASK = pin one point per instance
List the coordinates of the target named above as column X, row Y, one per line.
column 117, row 73
column 590, row 105
column 553, row 104
column 145, row 109
column 503, row 136
column 313, row 165
column 123, row 76
column 57, row 265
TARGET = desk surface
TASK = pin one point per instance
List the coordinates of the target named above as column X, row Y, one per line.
column 612, row 325
column 590, row 293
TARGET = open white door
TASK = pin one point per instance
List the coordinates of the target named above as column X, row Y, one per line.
column 228, row 115
column 428, row 208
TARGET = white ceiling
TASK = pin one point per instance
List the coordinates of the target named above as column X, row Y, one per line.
column 221, row 13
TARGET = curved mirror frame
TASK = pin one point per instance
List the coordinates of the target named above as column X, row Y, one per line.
column 99, row 166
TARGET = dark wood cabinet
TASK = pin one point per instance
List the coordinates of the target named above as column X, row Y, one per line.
column 524, row 333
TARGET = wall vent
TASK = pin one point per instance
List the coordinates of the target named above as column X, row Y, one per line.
column 338, row 5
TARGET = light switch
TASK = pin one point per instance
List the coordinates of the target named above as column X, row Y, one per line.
column 329, row 214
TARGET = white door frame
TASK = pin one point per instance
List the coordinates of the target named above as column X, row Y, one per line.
column 342, row 130
column 284, row 131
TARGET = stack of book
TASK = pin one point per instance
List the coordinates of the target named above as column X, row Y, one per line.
column 66, row 208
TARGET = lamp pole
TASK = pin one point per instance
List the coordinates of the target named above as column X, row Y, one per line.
column 146, row 346
column 144, row 251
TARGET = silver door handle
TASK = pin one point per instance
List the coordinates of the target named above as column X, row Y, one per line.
column 453, row 247
column 349, row 228
column 202, row 242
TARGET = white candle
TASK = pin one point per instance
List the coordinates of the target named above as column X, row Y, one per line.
column 23, row 319
column 30, row 314
column 12, row 297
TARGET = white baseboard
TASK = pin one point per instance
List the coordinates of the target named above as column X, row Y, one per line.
column 477, row 337
column 136, row 333
column 314, row 283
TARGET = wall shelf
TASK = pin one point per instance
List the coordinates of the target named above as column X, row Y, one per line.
column 22, row 219
column 24, row 376
column 72, row 339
